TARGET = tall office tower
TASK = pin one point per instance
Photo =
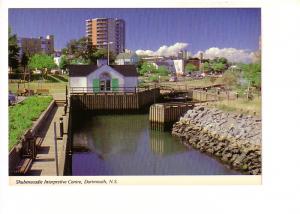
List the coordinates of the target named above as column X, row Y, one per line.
column 107, row 30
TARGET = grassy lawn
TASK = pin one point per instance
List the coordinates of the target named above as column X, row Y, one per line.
column 54, row 87
column 22, row 115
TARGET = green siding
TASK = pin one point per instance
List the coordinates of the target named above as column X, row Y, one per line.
column 96, row 85
column 115, row 84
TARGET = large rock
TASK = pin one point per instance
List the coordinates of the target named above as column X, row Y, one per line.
column 233, row 138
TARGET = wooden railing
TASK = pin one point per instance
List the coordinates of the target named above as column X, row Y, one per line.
column 97, row 90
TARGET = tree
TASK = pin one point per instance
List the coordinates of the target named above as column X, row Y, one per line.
column 24, row 63
column 101, row 53
column 162, row 71
column 42, row 62
column 223, row 60
column 63, row 62
column 13, row 51
column 147, row 68
column 218, row 64
column 190, row 67
column 218, row 67
column 140, row 63
column 206, row 67
column 82, row 50
column 252, row 72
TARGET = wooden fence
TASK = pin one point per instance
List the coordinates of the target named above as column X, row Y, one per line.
column 204, row 96
column 114, row 100
column 168, row 112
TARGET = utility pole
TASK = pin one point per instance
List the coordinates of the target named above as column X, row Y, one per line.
column 107, row 43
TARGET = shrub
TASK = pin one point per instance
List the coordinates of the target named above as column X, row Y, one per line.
column 153, row 78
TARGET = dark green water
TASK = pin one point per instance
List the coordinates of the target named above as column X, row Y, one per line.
column 124, row 145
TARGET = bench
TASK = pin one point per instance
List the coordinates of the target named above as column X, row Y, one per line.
column 25, row 92
column 43, row 91
column 23, row 166
column 28, row 155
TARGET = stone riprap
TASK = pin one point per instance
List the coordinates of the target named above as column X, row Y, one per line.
column 233, row 138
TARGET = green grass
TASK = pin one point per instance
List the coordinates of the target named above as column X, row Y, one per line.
column 22, row 115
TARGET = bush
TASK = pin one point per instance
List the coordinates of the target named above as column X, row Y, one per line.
column 230, row 78
column 153, row 78
column 162, row 71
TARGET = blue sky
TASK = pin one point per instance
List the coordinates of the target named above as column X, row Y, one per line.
column 149, row 29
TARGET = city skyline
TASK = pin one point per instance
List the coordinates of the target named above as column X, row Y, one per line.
column 231, row 31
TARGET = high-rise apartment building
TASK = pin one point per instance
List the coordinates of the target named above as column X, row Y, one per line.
column 107, row 30
column 33, row 46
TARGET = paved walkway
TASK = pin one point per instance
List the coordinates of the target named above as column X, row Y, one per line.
column 45, row 163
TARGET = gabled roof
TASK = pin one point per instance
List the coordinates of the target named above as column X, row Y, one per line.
column 126, row 70
column 81, row 70
column 85, row 70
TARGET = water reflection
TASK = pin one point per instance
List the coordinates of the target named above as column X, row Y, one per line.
column 162, row 143
column 124, row 145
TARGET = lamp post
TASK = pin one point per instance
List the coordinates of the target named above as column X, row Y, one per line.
column 107, row 43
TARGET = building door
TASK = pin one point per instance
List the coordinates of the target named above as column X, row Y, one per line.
column 105, row 82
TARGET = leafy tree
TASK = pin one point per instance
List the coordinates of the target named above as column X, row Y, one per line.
column 162, row 71
column 223, row 60
column 252, row 72
column 13, row 51
column 24, row 63
column 71, row 49
column 140, row 63
column 63, row 62
column 218, row 67
column 147, row 68
column 218, row 64
column 42, row 62
column 83, row 50
column 206, row 67
column 79, row 61
column 101, row 53
column 190, row 67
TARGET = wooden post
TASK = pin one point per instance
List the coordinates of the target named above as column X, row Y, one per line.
column 227, row 96
column 55, row 147
column 67, row 95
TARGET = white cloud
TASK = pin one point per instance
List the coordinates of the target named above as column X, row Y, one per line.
column 232, row 54
column 164, row 50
